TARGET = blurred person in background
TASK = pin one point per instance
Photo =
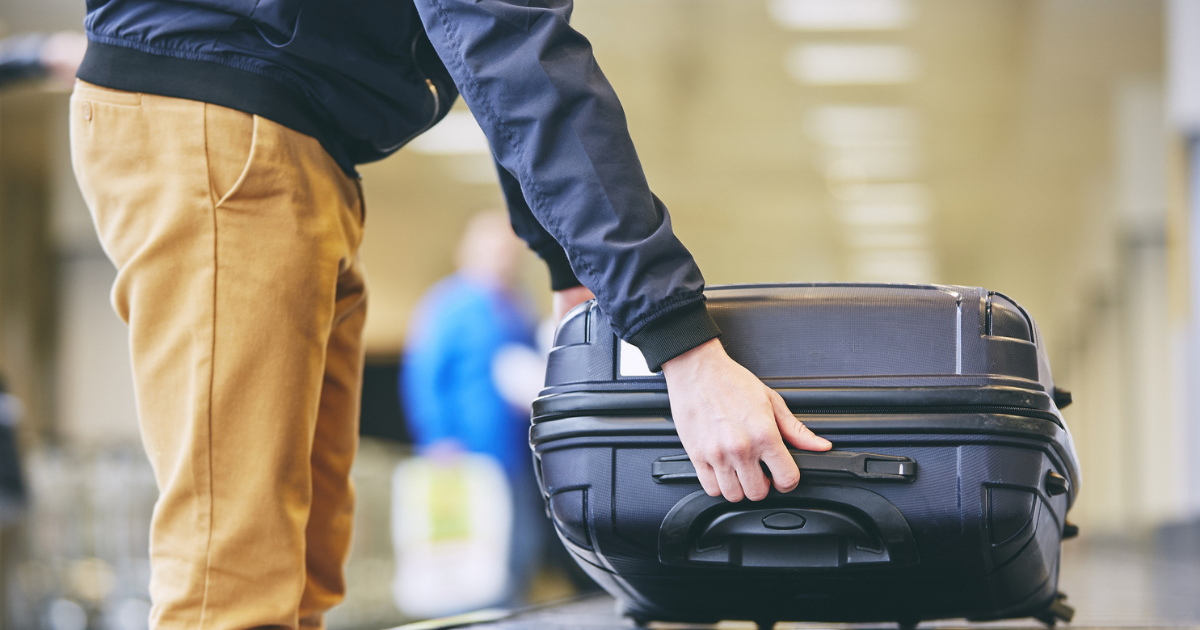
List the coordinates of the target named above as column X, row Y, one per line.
column 30, row 56
column 460, row 327
column 461, row 333
column 12, row 492
column 37, row 56
column 12, row 484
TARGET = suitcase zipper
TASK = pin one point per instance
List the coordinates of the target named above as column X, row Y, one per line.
column 830, row 411
column 1016, row 411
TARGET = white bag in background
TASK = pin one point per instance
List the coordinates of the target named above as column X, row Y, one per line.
column 451, row 530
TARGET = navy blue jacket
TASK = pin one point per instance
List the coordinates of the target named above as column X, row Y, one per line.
column 364, row 77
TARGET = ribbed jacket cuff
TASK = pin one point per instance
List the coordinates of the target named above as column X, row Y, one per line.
column 561, row 275
column 674, row 333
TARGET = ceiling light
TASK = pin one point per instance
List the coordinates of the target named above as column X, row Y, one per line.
column 901, row 204
column 841, row 15
column 456, row 134
column 852, row 64
column 915, row 265
column 860, row 165
column 861, row 125
column 878, row 214
column 892, row 192
column 887, row 239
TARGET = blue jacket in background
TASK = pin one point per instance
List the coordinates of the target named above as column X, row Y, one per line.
column 446, row 380
column 364, row 77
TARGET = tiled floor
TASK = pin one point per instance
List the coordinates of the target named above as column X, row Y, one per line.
column 1111, row 584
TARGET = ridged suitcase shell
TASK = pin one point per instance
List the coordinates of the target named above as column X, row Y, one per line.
column 946, row 495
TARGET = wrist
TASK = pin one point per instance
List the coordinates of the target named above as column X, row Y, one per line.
column 688, row 361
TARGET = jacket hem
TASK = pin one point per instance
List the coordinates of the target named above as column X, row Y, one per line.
column 123, row 68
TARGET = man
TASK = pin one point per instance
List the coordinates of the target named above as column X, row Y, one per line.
column 215, row 143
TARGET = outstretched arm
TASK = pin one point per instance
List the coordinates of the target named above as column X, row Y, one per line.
column 555, row 124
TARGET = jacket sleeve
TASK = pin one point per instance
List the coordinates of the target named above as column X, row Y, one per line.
column 555, row 124
column 539, row 240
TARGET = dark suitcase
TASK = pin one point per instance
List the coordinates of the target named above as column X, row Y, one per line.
column 945, row 496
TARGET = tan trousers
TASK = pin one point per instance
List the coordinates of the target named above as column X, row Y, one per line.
column 235, row 241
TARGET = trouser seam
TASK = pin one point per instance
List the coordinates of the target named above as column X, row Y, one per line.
column 212, row 366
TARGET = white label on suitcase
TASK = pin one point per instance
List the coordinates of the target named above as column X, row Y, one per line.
column 633, row 363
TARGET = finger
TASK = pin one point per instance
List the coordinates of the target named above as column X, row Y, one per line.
column 708, row 479
column 754, row 482
column 730, row 486
column 793, row 431
column 784, row 472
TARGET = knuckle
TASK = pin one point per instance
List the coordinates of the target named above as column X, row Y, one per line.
column 763, row 440
column 715, row 457
column 740, row 449
column 788, row 478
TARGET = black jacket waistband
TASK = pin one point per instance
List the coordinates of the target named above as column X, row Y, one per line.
column 121, row 68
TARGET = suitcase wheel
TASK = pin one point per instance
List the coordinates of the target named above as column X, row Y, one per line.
column 1058, row 610
column 908, row 624
column 765, row 624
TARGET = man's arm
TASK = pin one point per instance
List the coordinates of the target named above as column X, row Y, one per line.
column 526, row 226
column 568, row 292
column 555, row 124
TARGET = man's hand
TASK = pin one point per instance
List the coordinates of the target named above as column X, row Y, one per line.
column 729, row 421
column 568, row 299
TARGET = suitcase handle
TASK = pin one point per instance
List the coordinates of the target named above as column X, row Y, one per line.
column 678, row 468
column 812, row 527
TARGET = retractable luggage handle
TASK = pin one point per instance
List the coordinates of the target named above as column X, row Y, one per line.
column 678, row 468
column 696, row 516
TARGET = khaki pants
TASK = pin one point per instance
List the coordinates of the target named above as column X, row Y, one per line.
column 235, row 241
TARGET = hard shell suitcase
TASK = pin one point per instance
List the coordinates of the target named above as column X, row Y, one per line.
column 946, row 493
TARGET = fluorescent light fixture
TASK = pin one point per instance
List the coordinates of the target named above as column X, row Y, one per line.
column 876, row 238
column 915, row 265
column 852, row 64
column 879, row 214
column 841, row 15
column 892, row 192
column 894, row 205
column 456, row 134
column 852, row 126
column 871, row 165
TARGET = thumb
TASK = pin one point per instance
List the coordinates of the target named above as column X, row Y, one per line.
column 793, row 431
